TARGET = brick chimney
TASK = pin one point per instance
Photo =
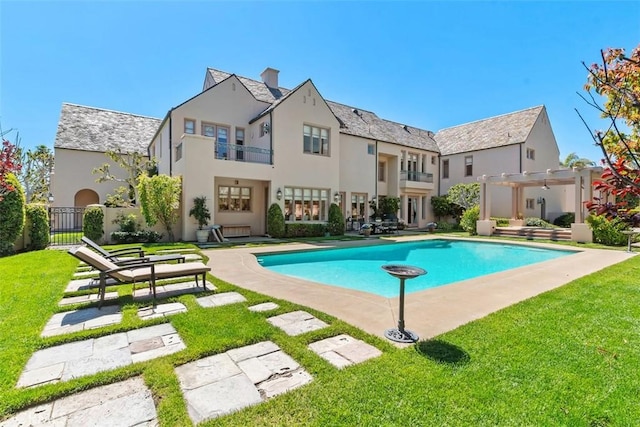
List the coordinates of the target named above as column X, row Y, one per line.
column 270, row 77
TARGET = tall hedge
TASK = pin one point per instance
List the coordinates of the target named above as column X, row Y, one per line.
column 38, row 226
column 275, row 221
column 93, row 223
column 12, row 216
column 335, row 225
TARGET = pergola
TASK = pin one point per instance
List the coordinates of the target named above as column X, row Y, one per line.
column 580, row 178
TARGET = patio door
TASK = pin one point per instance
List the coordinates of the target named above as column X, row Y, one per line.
column 412, row 210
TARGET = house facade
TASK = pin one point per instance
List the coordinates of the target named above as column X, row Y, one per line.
column 513, row 143
column 245, row 144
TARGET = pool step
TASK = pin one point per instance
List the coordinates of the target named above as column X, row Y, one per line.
column 534, row 233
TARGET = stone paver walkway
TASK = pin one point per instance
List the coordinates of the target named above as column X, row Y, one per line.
column 87, row 298
column 297, row 322
column 79, row 320
column 227, row 382
column 265, row 306
column 172, row 290
column 84, row 284
column 220, row 299
column 127, row 403
column 87, row 357
column 344, row 350
column 161, row 310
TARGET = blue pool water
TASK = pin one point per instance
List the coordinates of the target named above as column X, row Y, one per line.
column 446, row 261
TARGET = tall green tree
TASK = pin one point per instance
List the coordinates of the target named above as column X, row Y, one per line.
column 160, row 200
column 464, row 195
column 574, row 161
column 133, row 165
column 35, row 175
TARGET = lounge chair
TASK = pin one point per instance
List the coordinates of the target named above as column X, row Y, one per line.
column 142, row 271
column 117, row 256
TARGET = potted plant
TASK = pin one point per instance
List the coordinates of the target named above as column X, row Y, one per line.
column 201, row 213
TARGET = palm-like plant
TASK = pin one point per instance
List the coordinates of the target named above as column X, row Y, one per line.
column 574, row 161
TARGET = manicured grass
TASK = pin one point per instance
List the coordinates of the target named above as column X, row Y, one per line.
column 566, row 357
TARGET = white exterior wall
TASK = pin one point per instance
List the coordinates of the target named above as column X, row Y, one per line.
column 159, row 148
column 357, row 169
column 293, row 167
column 73, row 173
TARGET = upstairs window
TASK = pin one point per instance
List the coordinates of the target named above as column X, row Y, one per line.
column 381, row 171
column 178, row 152
column 468, row 166
column 315, row 140
column 209, row 130
column 189, row 126
column 531, row 154
column 371, row 149
column 445, row 169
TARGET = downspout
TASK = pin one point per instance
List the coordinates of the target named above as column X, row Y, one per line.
column 375, row 168
column 170, row 146
column 521, row 157
column 271, row 136
column 439, row 176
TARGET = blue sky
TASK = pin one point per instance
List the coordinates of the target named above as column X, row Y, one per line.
column 425, row 64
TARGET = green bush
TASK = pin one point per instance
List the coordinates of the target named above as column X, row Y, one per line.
column 38, row 225
column 275, row 221
column 607, row 232
column 93, row 223
column 336, row 224
column 442, row 207
column 469, row 219
column 537, row 222
column 565, row 220
column 12, row 216
column 500, row 221
column 305, row 230
column 446, row 226
column 127, row 223
column 141, row 236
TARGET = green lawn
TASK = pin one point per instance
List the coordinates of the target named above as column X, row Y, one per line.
column 567, row 357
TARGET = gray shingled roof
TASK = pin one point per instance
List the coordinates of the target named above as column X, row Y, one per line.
column 95, row 129
column 364, row 124
column 498, row 131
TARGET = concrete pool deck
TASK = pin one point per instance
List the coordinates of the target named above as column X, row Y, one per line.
column 428, row 313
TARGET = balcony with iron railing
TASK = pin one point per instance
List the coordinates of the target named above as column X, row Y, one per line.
column 243, row 153
column 416, row 180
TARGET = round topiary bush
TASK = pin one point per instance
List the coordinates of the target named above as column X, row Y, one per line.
column 11, row 216
column 469, row 219
column 335, row 225
column 38, row 226
column 275, row 221
column 93, row 223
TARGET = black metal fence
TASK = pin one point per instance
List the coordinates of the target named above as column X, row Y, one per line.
column 65, row 225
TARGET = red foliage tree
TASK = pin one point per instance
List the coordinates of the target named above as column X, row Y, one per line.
column 617, row 81
column 9, row 163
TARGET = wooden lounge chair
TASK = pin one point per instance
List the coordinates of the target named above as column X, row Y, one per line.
column 119, row 256
column 133, row 273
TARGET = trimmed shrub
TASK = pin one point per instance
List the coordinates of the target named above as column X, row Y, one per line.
column 93, row 223
column 500, row 222
column 38, row 226
column 275, row 221
column 141, row 236
column 537, row 222
column 469, row 219
column 127, row 223
column 305, row 230
column 12, row 214
column 565, row 220
column 442, row 207
column 607, row 232
column 336, row 224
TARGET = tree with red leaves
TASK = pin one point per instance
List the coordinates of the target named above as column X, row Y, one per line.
column 9, row 163
column 617, row 81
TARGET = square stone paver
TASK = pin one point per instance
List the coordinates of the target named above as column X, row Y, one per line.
column 161, row 310
column 297, row 322
column 87, row 357
column 174, row 289
column 87, row 283
column 126, row 403
column 344, row 350
column 87, row 298
column 265, row 306
column 220, row 299
column 227, row 382
column 78, row 320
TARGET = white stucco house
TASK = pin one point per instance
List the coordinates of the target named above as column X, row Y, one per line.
column 245, row 144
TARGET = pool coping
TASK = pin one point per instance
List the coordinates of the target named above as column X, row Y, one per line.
column 428, row 313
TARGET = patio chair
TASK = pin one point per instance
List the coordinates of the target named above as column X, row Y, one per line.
column 133, row 273
column 117, row 255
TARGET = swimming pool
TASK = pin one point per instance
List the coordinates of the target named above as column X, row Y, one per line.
column 446, row 261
